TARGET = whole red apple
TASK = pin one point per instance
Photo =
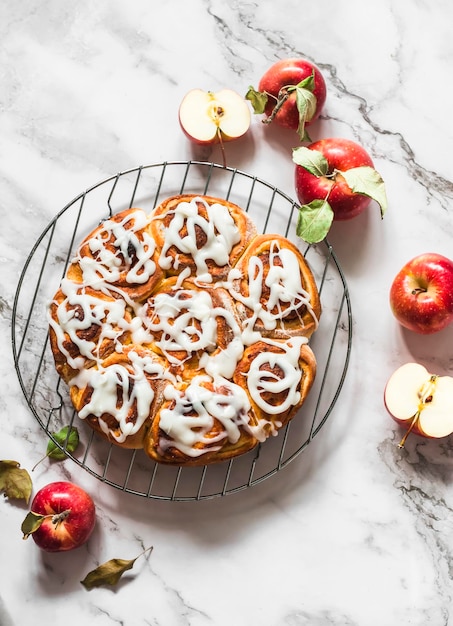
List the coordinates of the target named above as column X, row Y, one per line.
column 329, row 183
column 421, row 295
column 290, row 93
column 69, row 516
column 334, row 179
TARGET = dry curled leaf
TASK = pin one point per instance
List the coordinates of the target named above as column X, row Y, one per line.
column 15, row 482
column 110, row 572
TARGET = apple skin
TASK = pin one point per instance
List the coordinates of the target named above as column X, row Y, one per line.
column 421, row 294
column 291, row 72
column 71, row 532
column 341, row 154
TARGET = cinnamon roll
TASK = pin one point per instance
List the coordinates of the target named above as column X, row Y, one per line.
column 119, row 256
column 85, row 326
column 277, row 376
column 192, row 325
column 200, row 421
column 200, row 236
column 117, row 397
column 275, row 289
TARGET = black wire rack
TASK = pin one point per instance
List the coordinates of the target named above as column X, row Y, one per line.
column 47, row 396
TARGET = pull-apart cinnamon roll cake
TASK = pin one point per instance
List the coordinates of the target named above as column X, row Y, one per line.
column 184, row 332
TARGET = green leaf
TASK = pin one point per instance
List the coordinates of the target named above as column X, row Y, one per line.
column 31, row 523
column 110, row 572
column 68, row 437
column 311, row 160
column 367, row 181
column 257, row 98
column 15, row 482
column 314, row 221
column 306, row 105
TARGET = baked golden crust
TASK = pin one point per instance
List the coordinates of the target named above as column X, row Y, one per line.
column 185, row 333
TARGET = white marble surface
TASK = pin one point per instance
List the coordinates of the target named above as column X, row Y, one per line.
column 354, row 532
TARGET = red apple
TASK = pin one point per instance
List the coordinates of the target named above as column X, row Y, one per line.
column 291, row 93
column 335, row 179
column 421, row 295
column 62, row 517
column 208, row 118
column 420, row 401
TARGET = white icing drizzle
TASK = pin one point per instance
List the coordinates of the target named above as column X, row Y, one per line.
column 128, row 238
column 284, row 283
column 77, row 312
column 219, row 228
column 190, row 421
column 260, row 381
column 174, row 316
column 105, row 383
column 177, row 314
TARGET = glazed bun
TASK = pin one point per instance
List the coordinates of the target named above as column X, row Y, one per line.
column 184, row 332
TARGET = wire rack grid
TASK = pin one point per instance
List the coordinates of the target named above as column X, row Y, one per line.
column 47, row 397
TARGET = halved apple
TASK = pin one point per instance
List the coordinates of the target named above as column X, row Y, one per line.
column 421, row 401
column 207, row 117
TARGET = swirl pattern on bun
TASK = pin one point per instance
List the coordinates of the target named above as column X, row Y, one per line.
column 184, row 332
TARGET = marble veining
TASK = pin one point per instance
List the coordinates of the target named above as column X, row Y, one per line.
column 353, row 532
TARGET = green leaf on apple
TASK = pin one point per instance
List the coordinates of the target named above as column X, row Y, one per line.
column 110, row 572
column 368, row 182
column 258, row 99
column 311, row 160
column 31, row 523
column 15, row 482
column 306, row 104
column 314, row 221
column 68, row 438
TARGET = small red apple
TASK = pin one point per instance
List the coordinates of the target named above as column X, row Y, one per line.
column 334, row 179
column 62, row 517
column 207, row 117
column 291, row 93
column 420, row 401
column 421, row 295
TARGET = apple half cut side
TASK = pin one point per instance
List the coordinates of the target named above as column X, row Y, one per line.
column 421, row 401
column 207, row 117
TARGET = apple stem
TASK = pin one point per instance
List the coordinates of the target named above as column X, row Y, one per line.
column 426, row 396
column 418, row 290
column 283, row 96
column 414, row 421
column 57, row 518
column 222, row 146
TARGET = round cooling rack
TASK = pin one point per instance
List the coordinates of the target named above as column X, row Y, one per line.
column 47, row 396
